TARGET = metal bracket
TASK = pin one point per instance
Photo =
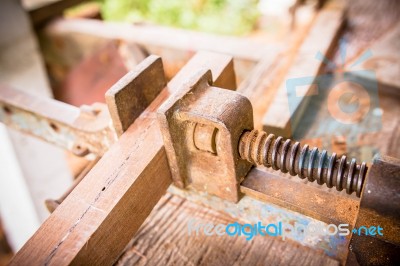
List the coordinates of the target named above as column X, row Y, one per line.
column 201, row 126
column 87, row 130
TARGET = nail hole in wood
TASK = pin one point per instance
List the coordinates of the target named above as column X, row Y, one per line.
column 7, row 110
column 54, row 127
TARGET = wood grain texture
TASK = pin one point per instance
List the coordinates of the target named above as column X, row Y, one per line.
column 102, row 214
column 131, row 95
column 164, row 239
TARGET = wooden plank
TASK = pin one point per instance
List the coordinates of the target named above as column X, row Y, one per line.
column 373, row 42
column 116, row 196
column 223, row 75
column 262, row 82
column 266, row 74
column 279, row 119
column 164, row 239
column 101, row 215
column 130, row 96
column 159, row 36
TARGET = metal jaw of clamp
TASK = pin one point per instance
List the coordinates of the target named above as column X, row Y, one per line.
column 201, row 126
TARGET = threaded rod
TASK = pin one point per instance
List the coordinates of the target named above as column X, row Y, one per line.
column 286, row 155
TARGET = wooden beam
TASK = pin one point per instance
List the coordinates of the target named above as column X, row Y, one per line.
column 102, row 214
column 130, row 96
column 279, row 119
column 154, row 37
column 265, row 74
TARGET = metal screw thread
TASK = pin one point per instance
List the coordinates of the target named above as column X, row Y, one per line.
column 286, row 155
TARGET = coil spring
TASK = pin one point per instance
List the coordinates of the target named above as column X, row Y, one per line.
column 286, row 155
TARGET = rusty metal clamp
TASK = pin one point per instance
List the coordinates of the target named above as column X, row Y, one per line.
column 201, row 127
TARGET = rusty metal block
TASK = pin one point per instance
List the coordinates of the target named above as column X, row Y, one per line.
column 379, row 206
column 201, row 126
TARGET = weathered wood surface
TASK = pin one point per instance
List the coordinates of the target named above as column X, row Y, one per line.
column 261, row 83
column 369, row 141
column 131, row 95
column 99, row 217
column 369, row 22
column 163, row 239
column 280, row 118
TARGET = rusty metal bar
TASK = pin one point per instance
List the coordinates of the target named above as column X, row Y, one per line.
column 88, row 129
column 83, row 130
column 313, row 201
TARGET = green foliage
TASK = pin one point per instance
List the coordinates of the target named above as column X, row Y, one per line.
column 232, row 17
